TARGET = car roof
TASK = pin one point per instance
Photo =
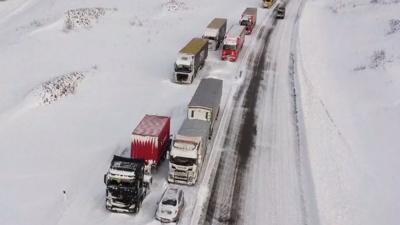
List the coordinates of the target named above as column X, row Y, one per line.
column 171, row 193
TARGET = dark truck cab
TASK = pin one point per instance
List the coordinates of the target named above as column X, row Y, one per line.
column 126, row 186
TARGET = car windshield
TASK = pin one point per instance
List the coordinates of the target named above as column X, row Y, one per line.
column 231, row 47
column 183, row 161
column 169, row 202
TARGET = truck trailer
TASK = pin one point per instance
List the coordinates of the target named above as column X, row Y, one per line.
column 126, row 185
column 233, row 43
column 188, row 151
column 151, row 139
column 249, row 19
column 191, row 58
column 215, row 33
column 205, row 102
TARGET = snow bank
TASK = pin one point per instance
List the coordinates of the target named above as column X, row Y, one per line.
column 83, row 17
column 174, row 5
column 61, row 86
column 349, row 62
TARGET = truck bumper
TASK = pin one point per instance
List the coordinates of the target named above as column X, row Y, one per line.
column 181, row 180
column 120, row 207
column 183, row 78
column 229, row 58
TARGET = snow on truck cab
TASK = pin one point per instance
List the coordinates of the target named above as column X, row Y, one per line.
column 191, row 58
column 215, row 33
column 233, row 43
column 126, row 185
column 249, row 19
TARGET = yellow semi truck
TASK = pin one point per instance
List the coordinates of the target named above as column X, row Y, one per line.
column 268, row 3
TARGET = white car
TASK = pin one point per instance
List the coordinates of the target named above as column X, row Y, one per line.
column 170, row 206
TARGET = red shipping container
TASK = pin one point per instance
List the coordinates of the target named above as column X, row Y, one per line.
column 150, row 139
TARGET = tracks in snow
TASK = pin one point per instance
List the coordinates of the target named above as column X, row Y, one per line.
column 264, row 175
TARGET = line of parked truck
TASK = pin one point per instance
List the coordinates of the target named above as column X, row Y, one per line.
column 192, row 57
column 128, row 180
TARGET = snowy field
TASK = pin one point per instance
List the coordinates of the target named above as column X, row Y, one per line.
column 76, row 78
column 350, row 94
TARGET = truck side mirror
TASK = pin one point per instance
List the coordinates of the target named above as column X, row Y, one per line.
column 105, row 178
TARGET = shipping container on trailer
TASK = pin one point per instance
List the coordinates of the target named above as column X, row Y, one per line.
column 151, row 139
column 215, row 33
column 206, row 101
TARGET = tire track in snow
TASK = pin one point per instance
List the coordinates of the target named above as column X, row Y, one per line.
column 237, row 162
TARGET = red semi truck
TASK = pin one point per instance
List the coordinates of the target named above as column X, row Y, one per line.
column 151, row 139
column 233, row 43
column 249, row 19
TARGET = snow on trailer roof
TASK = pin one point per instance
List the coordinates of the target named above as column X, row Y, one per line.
column 194, row 128
column 208, row 93
column 250, row 11
column 235, row 31
column 194, row 46
column 151, row 125
column 216, row 23
column 123, row 163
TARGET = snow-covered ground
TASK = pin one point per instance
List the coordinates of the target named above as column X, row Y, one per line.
column 350, row 94
column 73, row 89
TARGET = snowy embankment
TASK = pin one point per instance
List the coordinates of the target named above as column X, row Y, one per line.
column 348, row 64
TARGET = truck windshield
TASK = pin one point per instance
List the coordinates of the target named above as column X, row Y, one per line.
column 244, row 22
column 209, row 38
column 183, row 68
column 231, row 47
column 183, row 161
column 120, row 182
column 184, row 145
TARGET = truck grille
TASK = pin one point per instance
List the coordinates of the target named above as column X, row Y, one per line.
column 181, row 77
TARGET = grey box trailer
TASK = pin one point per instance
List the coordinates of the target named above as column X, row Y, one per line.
column 215, row 32
column 191, row 58
column 206, row 101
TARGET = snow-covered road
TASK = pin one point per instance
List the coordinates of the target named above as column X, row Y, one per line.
column 264, row 175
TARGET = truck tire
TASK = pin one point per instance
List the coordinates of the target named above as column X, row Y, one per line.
column 138, row 206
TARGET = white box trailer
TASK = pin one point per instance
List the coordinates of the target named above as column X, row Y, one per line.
column 206, row 102
column 215, row 32
column 188, row 151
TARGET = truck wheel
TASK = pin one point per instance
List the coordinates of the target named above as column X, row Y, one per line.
column 137, row 207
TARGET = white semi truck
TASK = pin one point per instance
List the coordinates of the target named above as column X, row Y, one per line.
column 187, row 152
column 215, row 33
column 191, row 58
column 190, row 144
